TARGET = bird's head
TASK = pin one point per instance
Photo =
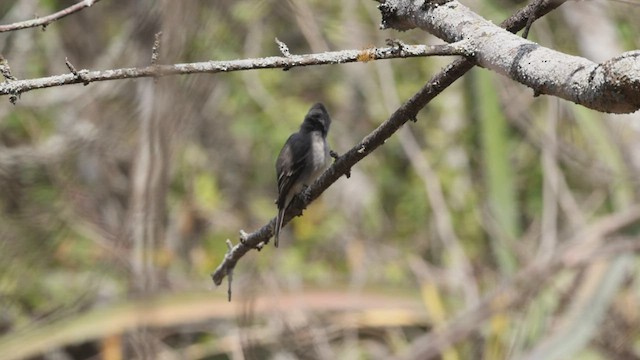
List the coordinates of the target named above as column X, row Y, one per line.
column 317, row 119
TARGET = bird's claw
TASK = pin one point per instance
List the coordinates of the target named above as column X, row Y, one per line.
column 304, row 194
column 335, row 157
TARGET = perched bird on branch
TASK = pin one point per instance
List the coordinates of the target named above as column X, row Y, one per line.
column 302, row 159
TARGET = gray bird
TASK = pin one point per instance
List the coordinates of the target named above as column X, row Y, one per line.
column 303, row 158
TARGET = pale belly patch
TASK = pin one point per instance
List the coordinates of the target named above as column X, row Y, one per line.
column 319, row 155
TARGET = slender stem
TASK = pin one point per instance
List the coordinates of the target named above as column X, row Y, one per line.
column 212, row 67
column 44, row 21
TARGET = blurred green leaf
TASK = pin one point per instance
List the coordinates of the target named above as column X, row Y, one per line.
column 498, row 170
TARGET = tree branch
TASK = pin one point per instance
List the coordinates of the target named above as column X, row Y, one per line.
column 611, row 86
column 398, row 50
column 44, row 21
column 408, row 111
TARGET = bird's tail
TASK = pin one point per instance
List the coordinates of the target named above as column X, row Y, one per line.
column 279, row 221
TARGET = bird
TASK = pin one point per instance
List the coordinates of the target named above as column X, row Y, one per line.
column 303, row 158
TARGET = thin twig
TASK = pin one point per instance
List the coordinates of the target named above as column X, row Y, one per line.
column 532, row 16
column 230, row 271
column 75, row 72
column 155, row 51
column 44, row 21
column 212, row 67
column 284, row 49
column 5, row 70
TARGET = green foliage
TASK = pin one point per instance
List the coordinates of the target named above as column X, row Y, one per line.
column 497, row 175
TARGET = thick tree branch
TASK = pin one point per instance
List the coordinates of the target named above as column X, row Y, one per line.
column 611, row 86
column 408, row 111
column 18, row 87
column 44, row 21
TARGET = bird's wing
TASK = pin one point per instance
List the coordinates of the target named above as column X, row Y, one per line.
column 289, row 168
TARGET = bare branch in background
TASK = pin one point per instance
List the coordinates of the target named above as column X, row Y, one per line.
column 44, row 21
column 212, row 67
column 5, row 70
column 581, row 250
column 50, row 151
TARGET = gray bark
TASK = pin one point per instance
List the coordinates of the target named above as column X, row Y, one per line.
column 611, row 86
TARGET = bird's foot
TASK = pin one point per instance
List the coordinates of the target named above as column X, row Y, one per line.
column 304, row 194
column 335, row 157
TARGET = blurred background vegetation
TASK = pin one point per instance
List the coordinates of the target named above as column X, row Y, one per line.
column 488, row 180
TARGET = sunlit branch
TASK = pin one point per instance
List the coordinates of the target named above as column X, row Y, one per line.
column 611, row 86
column 396, row 50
